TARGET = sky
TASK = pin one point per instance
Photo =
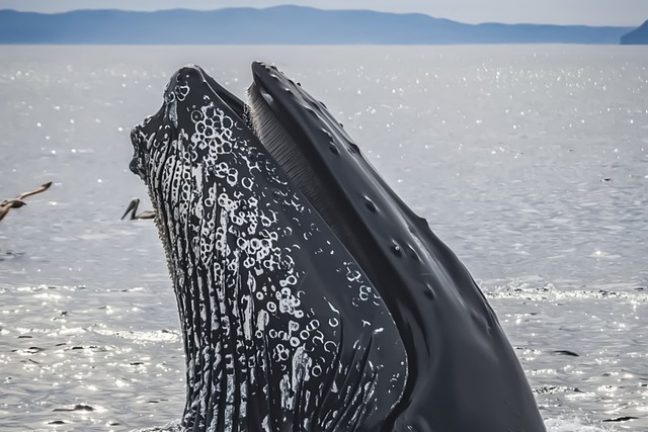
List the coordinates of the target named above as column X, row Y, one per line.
column 591, row 12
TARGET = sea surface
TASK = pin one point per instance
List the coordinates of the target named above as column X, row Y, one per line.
column 530, row 162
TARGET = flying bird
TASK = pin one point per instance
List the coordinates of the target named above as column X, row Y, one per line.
column 7, row 205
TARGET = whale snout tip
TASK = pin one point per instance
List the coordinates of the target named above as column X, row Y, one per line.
column 257, row 66
column 188, row 71
column 188, row 75
column 260, row 69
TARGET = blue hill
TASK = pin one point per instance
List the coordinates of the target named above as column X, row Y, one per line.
column 278, row 25
column 638, row 36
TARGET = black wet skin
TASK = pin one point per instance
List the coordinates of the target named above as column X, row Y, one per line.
column 462, row 374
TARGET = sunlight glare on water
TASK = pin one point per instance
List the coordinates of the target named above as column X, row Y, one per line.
column 529, row 161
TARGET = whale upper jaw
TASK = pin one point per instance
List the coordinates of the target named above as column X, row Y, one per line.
column 442, row 316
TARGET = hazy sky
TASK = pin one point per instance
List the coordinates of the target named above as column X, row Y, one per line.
column 595, row 12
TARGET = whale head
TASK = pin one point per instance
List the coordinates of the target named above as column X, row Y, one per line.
column 311, row 296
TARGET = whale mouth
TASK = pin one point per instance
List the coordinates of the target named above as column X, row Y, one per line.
column 452, row 366
column 326, row 167
column 305, row 141
column 246, row 213
column 277, row 115
column 175, row 91
column 287, row 140
column 311, row 148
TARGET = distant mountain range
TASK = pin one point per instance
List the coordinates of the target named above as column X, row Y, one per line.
column 278, row 25
column 638, row 36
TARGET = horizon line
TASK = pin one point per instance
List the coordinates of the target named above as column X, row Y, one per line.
column 143, row 11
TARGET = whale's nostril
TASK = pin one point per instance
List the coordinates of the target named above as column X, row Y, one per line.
column 370, row 205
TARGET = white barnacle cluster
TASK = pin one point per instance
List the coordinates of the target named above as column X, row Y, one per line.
column 213, row 130
column 362, row 291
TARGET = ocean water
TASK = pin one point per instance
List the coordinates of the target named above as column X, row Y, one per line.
column 531, row 162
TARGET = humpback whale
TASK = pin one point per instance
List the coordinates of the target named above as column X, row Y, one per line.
column 310, row 296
